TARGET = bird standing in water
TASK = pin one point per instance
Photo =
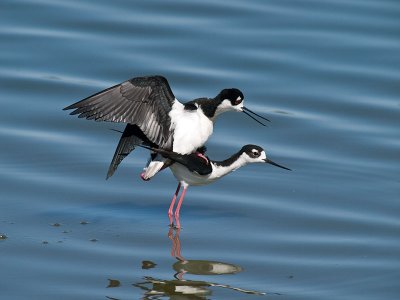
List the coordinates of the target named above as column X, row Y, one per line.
column 195, row 170
column 155, row 116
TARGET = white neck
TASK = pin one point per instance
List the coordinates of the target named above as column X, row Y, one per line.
column 223, row 107
column 226, row 106
column 219, row 171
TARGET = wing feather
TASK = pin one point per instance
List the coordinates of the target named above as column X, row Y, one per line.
column 143, row 101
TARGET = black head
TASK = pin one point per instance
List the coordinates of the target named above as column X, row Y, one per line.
column 253, row 151
column 235, row 96
column 228, row 100
column 233, row 100
column 255, row 154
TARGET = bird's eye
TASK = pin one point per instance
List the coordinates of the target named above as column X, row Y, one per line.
column 255, row 153
column 238, row 100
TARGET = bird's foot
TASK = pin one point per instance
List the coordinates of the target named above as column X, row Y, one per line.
column 202, row 156
column 174, row 226
column 142, row 175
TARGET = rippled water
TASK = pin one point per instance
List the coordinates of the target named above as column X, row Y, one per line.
column 326, row 73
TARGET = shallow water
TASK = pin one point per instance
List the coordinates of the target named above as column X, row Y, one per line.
column 326, row 73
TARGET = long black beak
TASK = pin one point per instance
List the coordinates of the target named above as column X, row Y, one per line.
column 268, row 161
column 247, row 111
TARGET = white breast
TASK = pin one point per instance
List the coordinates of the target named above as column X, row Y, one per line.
column 191, row 128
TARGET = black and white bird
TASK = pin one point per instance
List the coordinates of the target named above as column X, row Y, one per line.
column 155, row 116
column 194, row 170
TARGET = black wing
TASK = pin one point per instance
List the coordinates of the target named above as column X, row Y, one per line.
column 144, row 101
column 130, row 138
column 191, row 161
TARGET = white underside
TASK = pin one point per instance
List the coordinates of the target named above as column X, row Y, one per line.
column 191, row 128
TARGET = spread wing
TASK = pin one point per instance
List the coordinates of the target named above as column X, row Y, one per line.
column 144, row 101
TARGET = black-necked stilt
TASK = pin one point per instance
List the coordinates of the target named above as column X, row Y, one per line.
column 154, row 115
column 195, row 170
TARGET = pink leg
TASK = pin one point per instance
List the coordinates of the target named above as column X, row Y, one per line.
column 171, row 207
column 178, row 208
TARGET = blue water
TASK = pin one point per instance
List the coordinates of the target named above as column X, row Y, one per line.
column 326, row 73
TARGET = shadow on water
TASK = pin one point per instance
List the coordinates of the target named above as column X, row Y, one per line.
column 156, row 288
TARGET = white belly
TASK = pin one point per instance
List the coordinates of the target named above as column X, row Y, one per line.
column 191, row 128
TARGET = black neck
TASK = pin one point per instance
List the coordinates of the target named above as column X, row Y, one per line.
column 208, row 106
column 229, row 161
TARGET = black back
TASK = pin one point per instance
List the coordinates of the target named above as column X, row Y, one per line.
column 193, row 162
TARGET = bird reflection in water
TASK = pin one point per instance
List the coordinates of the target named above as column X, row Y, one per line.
column 180, row 288
column 196, row 267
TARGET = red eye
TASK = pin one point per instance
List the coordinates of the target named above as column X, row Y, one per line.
column 238, row 101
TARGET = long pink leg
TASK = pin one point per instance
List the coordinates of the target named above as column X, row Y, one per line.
column 178, row 207
column 171, row 207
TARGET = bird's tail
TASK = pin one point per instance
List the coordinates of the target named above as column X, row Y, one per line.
column 132, row 137
column 127, row 143
column 156, row 162
column 154, row 165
